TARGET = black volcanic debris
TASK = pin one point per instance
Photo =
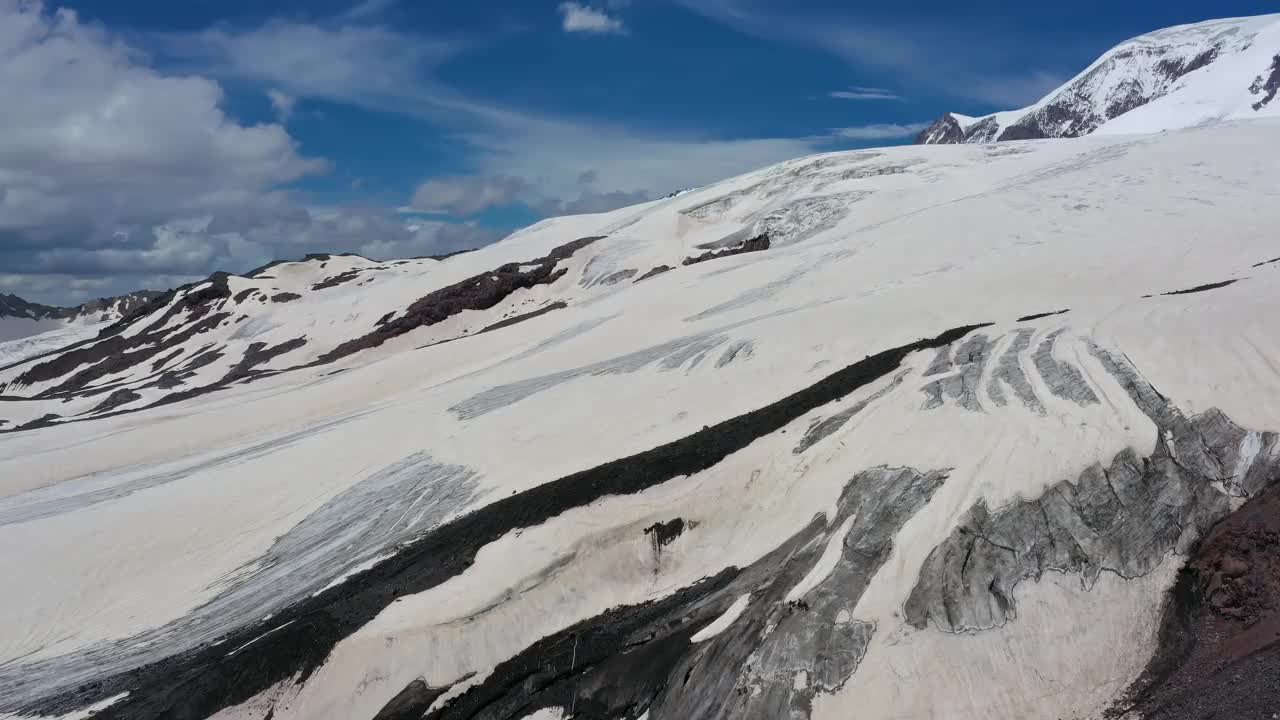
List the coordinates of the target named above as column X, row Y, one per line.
column 643, row 659
column 665, row 533
column 1269, row 85
column 1039, row 316
column 202, row 682
column 116, row 399
column 336, row 280
column 259, row 353
column 655, row 271
column 479, row 292
column 1200, row 288
column 412, row 702
column 165, row 360
column 755, row 244
column 309, row 257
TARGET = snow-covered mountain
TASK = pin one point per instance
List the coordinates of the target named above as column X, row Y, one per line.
column 984, row 431
column 1173, row 78
column 28, row 329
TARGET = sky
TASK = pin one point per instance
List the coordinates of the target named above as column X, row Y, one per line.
column 148, row 143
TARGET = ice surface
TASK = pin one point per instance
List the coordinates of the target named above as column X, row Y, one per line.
column 152, row 536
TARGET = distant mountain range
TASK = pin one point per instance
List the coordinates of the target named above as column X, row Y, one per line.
column 20, row 318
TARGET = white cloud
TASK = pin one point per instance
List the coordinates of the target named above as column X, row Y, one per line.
column 94, row 138
column 920, row 52
column 865, row 93
column 115, row 176
column 580, row 17
column 880, row 131
column 282, row 104
column 345, row 61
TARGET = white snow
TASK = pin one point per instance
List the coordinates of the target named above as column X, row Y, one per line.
column 128, row 523
column 1216, row 93
column 826, row 563
column 723, row 622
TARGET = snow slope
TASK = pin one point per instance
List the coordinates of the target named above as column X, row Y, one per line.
column 1177, row 77
column 916, row 432
column 29, row 329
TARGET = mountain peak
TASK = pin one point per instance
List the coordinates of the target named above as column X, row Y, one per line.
column 1171, row 78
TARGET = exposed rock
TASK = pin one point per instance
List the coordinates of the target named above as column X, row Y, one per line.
column 285, row 297
column 116, row 399
column 480, row 292
column 1200, row 288
column 664, row 534
column 755, row 244
column 1124, row 518
column 1270, row 86
column 205, row 680
column 945, row 130
column 336, row 280
column 258, row 354
column 655, row 271
column 14, row 306
column 1038, row 316
column 116, row 354
column 786, row 644
column 411, row 703
column 822, row 429
column 1219, row 646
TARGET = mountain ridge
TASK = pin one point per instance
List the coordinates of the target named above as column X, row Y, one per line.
column 1171, row 78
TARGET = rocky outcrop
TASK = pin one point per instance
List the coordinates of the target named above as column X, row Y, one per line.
column 945, row 130
column 14, row 306
column 480, row 292
column 1219, row 651
column 755, row 244
column 1267, row 85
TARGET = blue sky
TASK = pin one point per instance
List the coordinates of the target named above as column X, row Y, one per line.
column 168, row 139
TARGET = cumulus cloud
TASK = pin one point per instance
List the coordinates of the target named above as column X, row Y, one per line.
column 880, row 131
column 115, row 176
column 865, row 93
column 580, row 17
